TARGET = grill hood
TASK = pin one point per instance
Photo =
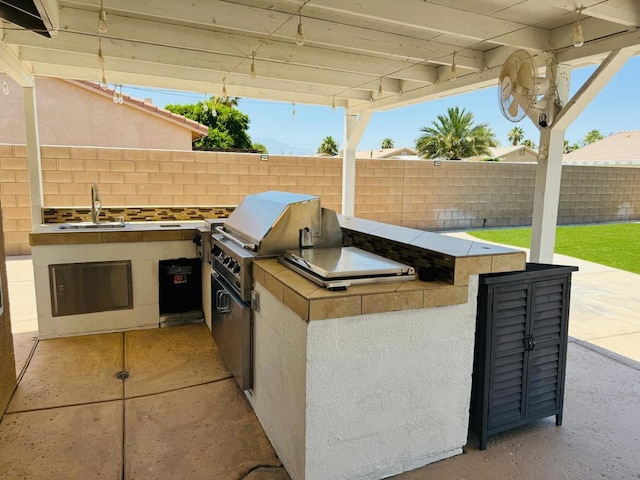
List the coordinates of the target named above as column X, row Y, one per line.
column 269, row 223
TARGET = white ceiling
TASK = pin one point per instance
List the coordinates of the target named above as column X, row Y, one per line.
column 350, row 45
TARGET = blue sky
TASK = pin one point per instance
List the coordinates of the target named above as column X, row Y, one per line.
column 614, row 109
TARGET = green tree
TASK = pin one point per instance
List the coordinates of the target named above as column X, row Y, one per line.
column 227, row 125
column 591, row 137
column 454, row 136
column 529, row 143
column 387, row 143
column 328, row 146
column 259, row 148
column 569, row 148
column 516, row 134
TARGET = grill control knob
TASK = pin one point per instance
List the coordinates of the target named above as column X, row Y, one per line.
column 227, row 261
column 236, row 269
column 232, row 265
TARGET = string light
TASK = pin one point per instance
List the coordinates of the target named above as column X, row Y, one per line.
column 100, row 55
column 118, row 96
column 300, row 30
column 224, row 87
column 252, row 70
column 380, row 88
column 578, row 37
column 103, row 80
column 333, row 103
column 454, row 69
column 5, row 86
column 103, row 27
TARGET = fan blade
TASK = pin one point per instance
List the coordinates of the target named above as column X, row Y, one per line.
column 513, row 108
column 506, row 87
column 525, row 79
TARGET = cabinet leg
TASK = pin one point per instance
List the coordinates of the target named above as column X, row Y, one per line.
column 558, row 419
column 483, row 441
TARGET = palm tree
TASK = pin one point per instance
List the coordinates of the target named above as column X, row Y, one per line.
column 454, row 137
column 591, row 137
column 529, row 143
column 387, row 143
column 516, row 134
column 328, row 146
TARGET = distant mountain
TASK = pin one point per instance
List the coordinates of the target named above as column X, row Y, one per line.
column 278, row 148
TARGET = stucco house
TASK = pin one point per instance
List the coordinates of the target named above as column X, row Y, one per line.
column 622, row 148
column 510, row 153
column 401, row 153
column 79, row 113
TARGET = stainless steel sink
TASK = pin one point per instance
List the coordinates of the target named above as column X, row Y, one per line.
column 92, row 226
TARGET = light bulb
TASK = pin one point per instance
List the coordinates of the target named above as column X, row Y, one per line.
column 333, row 103
column 5, row 88
column 224, row 88
column 380, row 89
column 293, row 111
column 115, row 96
column 100, row 57
column 578, row 38
column 300, row 34
column 454, row 69
column 120, row 96
column 252, row 70
column 103, row 27
column 103, row 82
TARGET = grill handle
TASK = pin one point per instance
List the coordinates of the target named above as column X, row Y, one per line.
column 247, row 246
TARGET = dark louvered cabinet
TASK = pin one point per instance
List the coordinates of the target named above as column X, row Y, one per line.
column 520, row 349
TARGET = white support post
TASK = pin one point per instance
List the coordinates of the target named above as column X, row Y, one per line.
column 33, row 155
column 354, row 127
column 547, row 195
column 549, row 169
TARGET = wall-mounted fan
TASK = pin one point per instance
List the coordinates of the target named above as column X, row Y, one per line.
column 519, row 89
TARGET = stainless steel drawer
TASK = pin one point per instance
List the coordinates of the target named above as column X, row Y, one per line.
column 90, row 287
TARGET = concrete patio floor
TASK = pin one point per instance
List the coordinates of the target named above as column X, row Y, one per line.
column 180, row 415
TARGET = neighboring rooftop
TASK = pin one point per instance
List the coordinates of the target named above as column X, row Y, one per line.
column 401, row 153
column 622, row 148
column 80, row 113
column 197, row 129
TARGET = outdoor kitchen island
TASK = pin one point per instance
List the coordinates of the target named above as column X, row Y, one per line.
column 373, row 380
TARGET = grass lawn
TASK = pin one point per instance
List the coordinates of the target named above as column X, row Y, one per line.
column 616, row 245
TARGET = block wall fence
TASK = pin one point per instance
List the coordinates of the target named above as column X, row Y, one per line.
column 418, row 194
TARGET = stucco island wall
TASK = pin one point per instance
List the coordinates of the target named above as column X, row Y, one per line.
column 365, row 396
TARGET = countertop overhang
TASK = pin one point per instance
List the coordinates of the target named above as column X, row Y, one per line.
column 51, row 234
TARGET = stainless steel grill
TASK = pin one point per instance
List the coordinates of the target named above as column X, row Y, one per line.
column 268, row 225
column 263, row 225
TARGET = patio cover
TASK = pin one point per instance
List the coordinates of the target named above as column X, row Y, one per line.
column 362, row 56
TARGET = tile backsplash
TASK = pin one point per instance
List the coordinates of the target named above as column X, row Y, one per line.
column 134, row 214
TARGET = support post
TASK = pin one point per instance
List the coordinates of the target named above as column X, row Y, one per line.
column 33, row 155
column 354, row 127
column 549, row 168
column 547, row 195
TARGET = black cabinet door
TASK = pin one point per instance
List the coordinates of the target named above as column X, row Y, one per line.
column 521, row 342
column 508, row 360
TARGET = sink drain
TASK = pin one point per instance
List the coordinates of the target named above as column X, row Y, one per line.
column 123, row 375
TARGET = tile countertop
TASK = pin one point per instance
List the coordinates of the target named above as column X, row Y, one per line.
column 466, row 258
column 50, row 234
column 455, row 247
column 312, row 302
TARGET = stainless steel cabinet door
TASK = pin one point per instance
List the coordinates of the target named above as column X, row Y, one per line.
column 231, row 330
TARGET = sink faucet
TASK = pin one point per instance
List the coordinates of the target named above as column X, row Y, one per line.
column 96, row 203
